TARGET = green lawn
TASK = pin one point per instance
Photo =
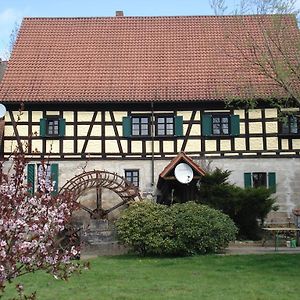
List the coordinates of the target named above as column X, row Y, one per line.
column 272, row 276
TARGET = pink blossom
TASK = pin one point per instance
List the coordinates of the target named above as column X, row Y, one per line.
column 30, row 226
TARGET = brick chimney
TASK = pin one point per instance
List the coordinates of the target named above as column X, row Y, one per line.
column 119, row 13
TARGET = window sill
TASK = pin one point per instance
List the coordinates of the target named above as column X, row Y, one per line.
column 288, row 135
column 222, row 136
column 52, row 137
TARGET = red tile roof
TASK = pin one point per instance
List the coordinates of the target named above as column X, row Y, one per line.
column 194, row 58
column 181, row 157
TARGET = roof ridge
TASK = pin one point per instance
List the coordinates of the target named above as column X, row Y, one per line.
column 156, row 17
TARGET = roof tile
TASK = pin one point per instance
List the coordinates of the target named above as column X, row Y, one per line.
column 136, row 59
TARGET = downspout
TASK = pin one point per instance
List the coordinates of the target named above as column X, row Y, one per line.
column 152, row 143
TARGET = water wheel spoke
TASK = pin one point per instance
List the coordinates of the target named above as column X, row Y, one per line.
column 115, row 207
column 99, row 197
column 86, row 208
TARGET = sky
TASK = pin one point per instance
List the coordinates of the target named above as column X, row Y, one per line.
column 12, row 11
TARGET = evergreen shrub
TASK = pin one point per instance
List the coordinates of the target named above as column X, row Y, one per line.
column 246, row 207
column 181, row 229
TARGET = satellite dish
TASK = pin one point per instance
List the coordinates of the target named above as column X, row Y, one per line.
column 184, row 173
column 2, row 110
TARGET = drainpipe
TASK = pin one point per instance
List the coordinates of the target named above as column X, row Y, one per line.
column 152, row 143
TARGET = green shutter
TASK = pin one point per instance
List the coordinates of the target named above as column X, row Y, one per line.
column 62, row 127
column 235, row 125
column 247, row 180
column 178, row 125
column 54, row 177
column 31, row 178
column 43, row 127
column 206, row 125
column 126, row 126
column 272, row 181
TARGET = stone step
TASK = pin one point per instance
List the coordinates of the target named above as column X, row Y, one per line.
column 94, row 237
column 103, row 249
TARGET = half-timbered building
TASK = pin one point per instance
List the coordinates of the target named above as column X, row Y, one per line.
column 128, row 94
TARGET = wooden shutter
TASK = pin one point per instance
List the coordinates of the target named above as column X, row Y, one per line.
column 272, row 181
column 31, row 178
column 126, row 126
column 62, row 127
column 178, row 125
column 247, row 180
column 54, row 178
column 234, row 125
column 206, row 125
column 43, row 127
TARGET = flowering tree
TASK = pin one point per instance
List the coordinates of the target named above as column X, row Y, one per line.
column 32, row 227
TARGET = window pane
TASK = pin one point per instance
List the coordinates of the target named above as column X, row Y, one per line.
column 216, row 129
column 160, row 120
column 135, row 127
column 135, row 120
column 225, row 131
column 225, row 120
column 293, row 124
column 216, row 120
column 285, row 128
column 144, row 120
column 170, row 120
column 169, row 126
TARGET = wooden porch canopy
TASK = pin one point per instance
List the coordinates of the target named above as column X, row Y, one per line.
column 168, row 172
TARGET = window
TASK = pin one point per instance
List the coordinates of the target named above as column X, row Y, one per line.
column 290, row 125
column 44, row 176
column 140, row 126
column 137, row 126
column 220, row 125
column 165, row 125
column 258, row 179
column 47, row 172
column 132, row 176
column 52, row 126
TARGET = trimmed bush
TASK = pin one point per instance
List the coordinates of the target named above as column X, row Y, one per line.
column 182, row 229
column 201, row 229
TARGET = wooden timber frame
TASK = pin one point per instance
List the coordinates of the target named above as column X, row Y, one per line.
column 104, row 129
column 98, row 180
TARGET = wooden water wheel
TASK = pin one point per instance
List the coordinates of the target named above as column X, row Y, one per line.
column 99, row 180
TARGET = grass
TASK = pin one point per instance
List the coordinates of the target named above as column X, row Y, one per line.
column 272, row 276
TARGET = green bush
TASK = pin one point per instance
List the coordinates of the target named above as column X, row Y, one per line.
column 181, row 229
column 201, row 229
column 144, row 226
